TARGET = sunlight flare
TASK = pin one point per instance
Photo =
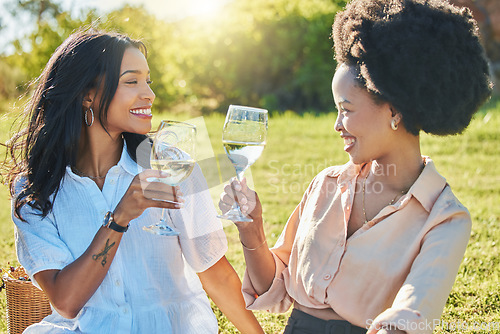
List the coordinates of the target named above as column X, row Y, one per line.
column 205, row 8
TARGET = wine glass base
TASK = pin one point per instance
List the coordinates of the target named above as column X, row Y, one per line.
column 161, row 230
column 235, row 217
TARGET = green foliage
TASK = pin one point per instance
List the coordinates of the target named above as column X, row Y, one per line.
column 274, row 54
column 137, row 23
column 11, row 79
column 40, row 9
column 43, row 42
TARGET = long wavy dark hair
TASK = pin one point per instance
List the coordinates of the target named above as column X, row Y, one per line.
column 40, row 152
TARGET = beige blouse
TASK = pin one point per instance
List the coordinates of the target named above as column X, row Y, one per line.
column 397, row 269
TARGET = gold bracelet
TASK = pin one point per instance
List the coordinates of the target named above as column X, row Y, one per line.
column 252, row 249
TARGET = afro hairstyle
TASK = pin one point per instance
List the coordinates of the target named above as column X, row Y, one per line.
column 424, row 57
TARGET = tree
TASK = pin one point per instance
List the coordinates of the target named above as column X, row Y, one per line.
column 43, row 10
column 137, row 23
column 52, row 26
column 275, row 54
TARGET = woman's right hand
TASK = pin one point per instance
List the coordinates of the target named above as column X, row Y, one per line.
column 70, row 289
column 247, row 199
column 143, row 194
column 258, row 258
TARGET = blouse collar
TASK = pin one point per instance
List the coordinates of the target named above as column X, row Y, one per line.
column 426, row 188
column 126, row 163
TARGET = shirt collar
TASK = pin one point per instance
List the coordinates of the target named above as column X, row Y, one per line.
column 126, row 162
column 345, row 173
column 142, row 155
column 426, row 188
column 428, row 185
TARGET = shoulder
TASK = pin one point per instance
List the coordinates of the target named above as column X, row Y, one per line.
column 449, row 203
column 339, row 173
column 19, row 184
column 338, row 170
column 331, row 177
column 449, row 212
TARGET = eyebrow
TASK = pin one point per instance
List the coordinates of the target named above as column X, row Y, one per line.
column 343, row 100
column 132, row 71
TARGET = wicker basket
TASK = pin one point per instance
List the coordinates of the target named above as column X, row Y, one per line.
column 26, row 305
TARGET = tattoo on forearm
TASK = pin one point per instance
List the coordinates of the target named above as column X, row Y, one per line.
column 104, row 253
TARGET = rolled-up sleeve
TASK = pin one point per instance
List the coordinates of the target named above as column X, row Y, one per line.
column 419, row 303
column 38, row 244
column 202, row 237
column 276, row 299
column 203, row 252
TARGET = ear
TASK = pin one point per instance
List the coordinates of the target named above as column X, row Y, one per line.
column 88, row 99
column 395, row 114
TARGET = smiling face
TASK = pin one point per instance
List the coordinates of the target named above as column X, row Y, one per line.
column 364, row 124
column 130, row 108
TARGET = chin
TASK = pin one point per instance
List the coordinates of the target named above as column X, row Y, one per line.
column 357, row 160
column 144, row 130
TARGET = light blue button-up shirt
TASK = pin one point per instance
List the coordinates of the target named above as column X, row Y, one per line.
column 151, row 285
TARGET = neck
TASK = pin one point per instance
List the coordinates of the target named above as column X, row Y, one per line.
column 98, row 152
column 401, row 168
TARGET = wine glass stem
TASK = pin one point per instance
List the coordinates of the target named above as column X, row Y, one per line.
column 239, row 177
column 163, row 219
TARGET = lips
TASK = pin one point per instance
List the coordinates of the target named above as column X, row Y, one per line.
column 348, row 142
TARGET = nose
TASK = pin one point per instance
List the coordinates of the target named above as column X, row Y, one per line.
column 148, row 94
column 338, row 122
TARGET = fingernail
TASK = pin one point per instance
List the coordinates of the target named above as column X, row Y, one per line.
column 180, row 199
column 243, row 200
column 178, row 205
column 164, row 174
column 237, row 187
column 244, row 208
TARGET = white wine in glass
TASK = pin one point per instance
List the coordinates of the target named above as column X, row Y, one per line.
column 174, row 152
column 244, row 137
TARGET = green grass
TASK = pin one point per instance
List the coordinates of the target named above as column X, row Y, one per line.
column 300, row 146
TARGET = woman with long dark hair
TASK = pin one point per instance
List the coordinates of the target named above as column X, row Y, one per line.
column 377, row 242
column 80, row 199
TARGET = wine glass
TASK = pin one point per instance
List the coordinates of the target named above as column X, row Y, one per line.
column 244, row 137
column 173, row 152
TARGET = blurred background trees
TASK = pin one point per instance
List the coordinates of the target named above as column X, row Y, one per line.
column 274, row 54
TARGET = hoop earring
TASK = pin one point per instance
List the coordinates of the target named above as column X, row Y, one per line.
column 394, row 125
column 86, row 118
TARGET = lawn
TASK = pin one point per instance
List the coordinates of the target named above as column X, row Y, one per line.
column 301, row 146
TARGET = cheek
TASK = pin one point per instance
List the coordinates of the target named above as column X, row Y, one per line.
column 121, row 103
column 351, row 124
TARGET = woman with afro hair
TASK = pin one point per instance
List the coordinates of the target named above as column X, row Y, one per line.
column 375, row 245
